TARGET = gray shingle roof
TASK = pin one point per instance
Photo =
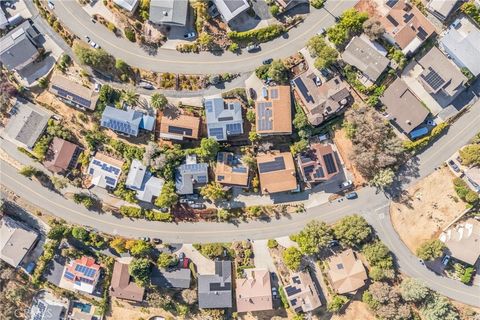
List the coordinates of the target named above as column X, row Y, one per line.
column 215, row 291
column 174, row 278
column 229, row 9
column 170, row 12
column 18, row 47
column 15, row 241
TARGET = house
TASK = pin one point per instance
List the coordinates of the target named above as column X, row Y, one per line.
column 318, row 164
column 404, row 109
column 289, row 4
column 254, row 292
column 169, row 12
column 73, row 93
column 190, row 175
column 346, row 273
column 173, row 278
column 127, row 122
column 274, row 111
column 224, row 119
column 104, row 170
column 83, row 273
column 462, row 241
column 179, row 127
column 44, row 308
column 406, row 27
column 473, row 178
column 461, row 43
column 440, row 77
column 441, row 8
column 143, row 182
column 128, row 5
column 230, row 9
column 230, row 170
column 366, row 59
column 321, row 102
column 302, row 293
column 16, row 241
column 215, row 290
column 26, row 124
column 277, row 172
column 122, row 285
column 62, row 156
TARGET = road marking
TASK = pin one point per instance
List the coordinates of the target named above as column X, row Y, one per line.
column 382, row 207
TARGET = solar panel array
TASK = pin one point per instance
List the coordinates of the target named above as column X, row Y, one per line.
column 180, row 130
column 319, row 173
column 274, row 93
column 106, row 167
column 433, row 79
column 265, row 116
column 209, row 105
column 110, row 181
column 88, row 272
column 220, row 157
column 71, row 96
column 234, row 128
column 202, row 179
column 194, row 168
column 330, row 163
column 217, row 133
column 69, row 275
column 239, row 169
column 41, row 310
column 120, row 126
column 275, row 165
column 290, row 290
column 220, row 178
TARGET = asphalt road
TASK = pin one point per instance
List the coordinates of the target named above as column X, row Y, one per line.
column 168, row 60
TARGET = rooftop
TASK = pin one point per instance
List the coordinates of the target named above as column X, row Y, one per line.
column 73, row 92
column 441, row 8
column 277, row 172
column 301, row 292
column 127, row 121
column 230, row 170
column 105, row 170
column 171, row 278
column 129, row 5
column 18, row 48
column 463, row 241
column 223, row 118
column 190, row 175
column 83, row 273
column 61, row 155
column 346, row 272
column 179, row 126
column 274, row 112
column 318, row 163
column 142, row 181
column 122, row 285
column 16, row 240
column 215, row 290
column 169, row 12
column 254, row 292
column 229, row 9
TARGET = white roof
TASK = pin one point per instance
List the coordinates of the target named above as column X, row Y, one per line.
column 223, row 119
column 103, row 174
column 443, row 7
column 142, row 181
column 129, row 5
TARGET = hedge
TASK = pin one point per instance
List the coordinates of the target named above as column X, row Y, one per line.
column 257, row 35
column 423, row 142
column 140, row 213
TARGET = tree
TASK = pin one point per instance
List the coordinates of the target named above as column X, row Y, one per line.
column 58, row 232
column 122, row 66
column 323, row 53
column 158, row 101
column 470, row 155
column 299, row 147
column 438, row 307
column 118, row 244
column 130, row 97
column 292, row 257
column 251, row 116
column 352, row 230
column 274, row 10
column 213, row 191
column 189, row 296
column 211, row 250
column 377, row 254
column 278, row 72
column 96, row 58
column 350, row 24
column 373, row 29
column 223, row 214
column 80, row 233
column 140, row 248
column 205, row 40
column 166, row 260
column 313, row 237
column 337, row 302
column 383, row 178
column 139, row 269
column 413, row 290
column 168, row 197
column 272, row 243
column 208, row 149
column 317, row 4
column 430, row 250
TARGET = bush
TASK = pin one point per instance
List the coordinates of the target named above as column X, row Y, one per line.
column 84, row 199
column 337, row 302
column 211, row 250
column 80, row 233
column 166, row 260
column 317, row 4
column 421, row 143
column 130, row 34
column 292, row 257
column 274, row 10
column 272, row 243
column 154, row 215
column 430, row 250
column 350, row 24
column 466, row 278
column 257, row 35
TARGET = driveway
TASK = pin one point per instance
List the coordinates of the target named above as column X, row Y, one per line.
column 204, row 265
column 261, row 255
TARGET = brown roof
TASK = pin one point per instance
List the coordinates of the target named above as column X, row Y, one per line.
column 225, row 173
column 319, row 163
column 70, row 86
column 463, row 241
column 404, row 23
column 60, row 155
column 302, row 293
column 321, row 102
column 178, row 126
column 403, row 106
column 274, row 114
column 277, row 172
column 108, row 159
column 254, row 293
column 346, row 272
column 121, row 285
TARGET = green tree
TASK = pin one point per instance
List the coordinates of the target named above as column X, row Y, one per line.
column 208, row 149
column 383, row 178
column 352, row 230
column 438, row 307
column 122, row 66
column 223, row 214
column 337, row 303
column 130, row 97
column 205, row 40
column 323, row 53
column 378, row 254
column 58, row 232
column 299, row 147
column 315, row 236
column 166, row 260
column 412, row 290
column 168, row 197
column 213, row 191
column 139, row 269
column 118, row 244
column 158, row 101
column 278, row 72
column 233, row 47
column 251, row 115
column 28, row 171
column 430, row 250
column 471, row 155
column 96, row 58
column 274, row 10
column 140, row 248
column 350, row 24
column 292, row 257
column 212, row 250
column 80, row 233
column 272, row 243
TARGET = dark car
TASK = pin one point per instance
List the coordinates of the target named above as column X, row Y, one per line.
column 351, row 195
column 253, row 48
column 267, row 61
column 197, row 206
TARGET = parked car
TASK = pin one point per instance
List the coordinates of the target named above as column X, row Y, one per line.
column 147, row 239
column 252, row 93
column 189, row 35
column 445, row 260
column 274, row 293
column 87, row 38
column 346, row 184
column 318, row 82
column 197, row 206
column 193, row 196
column 321, row 31
column 267, row 61
column 146, row 85
column 51, row 5
column 97, row 87
column 93, row 44
column 351, row 195
column 453, row 165
column 157, row 241
column 253, row 47
column 325, row 72
column 183, row 200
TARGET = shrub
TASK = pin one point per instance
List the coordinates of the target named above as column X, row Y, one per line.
column 274, row 10
column 317, row 4
column 466, row 278
column 421, row 143
column 166, row 260
column 130, row 34
column 292, row 257
column 155, row 215
column 430, row 250
column 257, row 35
column 337, row 302
column 272, row 243
column 131, row 212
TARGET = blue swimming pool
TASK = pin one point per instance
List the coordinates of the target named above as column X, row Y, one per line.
column 84, row 307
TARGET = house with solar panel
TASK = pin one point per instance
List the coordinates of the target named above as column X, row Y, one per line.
column 143, row 182
column 82, row 274
column 277, row 172
column 179, row 127
column 273, row 111
column 104, row 171
column 190, row 175
column 128, row 122
column 230, row 170
column 302, row 293
column 72, row 93
column 224, row 119
column 231, row 9
column 319, row 163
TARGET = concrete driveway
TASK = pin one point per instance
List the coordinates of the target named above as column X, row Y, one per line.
column 204, row 265
column 261, row 255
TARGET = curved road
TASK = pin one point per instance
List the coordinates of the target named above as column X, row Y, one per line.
column 168, row 60
column 372, row 205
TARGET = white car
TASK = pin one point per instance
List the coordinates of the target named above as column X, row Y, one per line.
column 97, row 87
column 94, row 45
column 189, row 35
column 51, row 5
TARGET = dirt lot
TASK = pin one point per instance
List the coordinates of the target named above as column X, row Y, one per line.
column 427, row 208
column 122, row 310
column 344, row 146
column 357, row 310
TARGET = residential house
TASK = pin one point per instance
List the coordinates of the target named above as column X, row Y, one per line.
column 62, row 156
column 224, row 119
column 230, row 9
column 44, row 308
column 302, row 293
column 16, row 241
column 3, row 20
column 26, row 124
column 406, row 27
column 127, row 122
column 128, row 5
column 319, row 163
column 346, row 273
column 143, row 182
column 440, row 77
column 463, row 241
column 321, row 101
column 274, row 111
column 230, row 170
column 83, row 273
column 169, row 12
column 289, row 4
column 104, row 170
column 179, row 127
column 190, row 175
column 277, row 172
column 461, row 43
column 441, row 8
column 215, row 290
column 404, row 109
column 73, row 93
column 172, row 278
column 472, row 175
column 254, row 292
column 122, row 285
column 363, row 55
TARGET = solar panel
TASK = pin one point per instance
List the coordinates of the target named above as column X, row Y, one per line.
column 308, row 169
column 110, row 181
column 234, row 128
column 265, row 116
column 296, row 280
column 330, row 163
column 201, row 179
column 300, row 85
column 220, row 178
column 69, row 276
column 274, row 93
column 339, row 266
column 433, row 79
column 292, row 290
column 319, row 173
column 275, row 165
column 239, row 169
column 208, row 106
column 71, row 96
column 217, row 133
column 220, row 157
column 225, row 118
column 179, row 130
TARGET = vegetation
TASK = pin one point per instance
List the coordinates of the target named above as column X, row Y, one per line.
column 85, row 199
column 299, row 147
column 417, row 145
column 257, row 35
column 138, row 248
column 166, row 260
column 292, row 257
column 350, row 24
column 208, row 149
column 380, row 259
column 412, row 290
column 213, row 191
column 317, row 4
column 95, row 58
column 373, row 29
column 139, row 269
column 352, row 231
column 470, row 9
column 383, row 178
column 470, row 155
column 130, row 34
column 158, row 101
column 272, row 243
column 337, row 303
column 168, row 197
column 211, row 250
column 464, row 192
column 324, row 54
column 118, row 244
column 430, row 250
column 385, row 301
column 315, row 236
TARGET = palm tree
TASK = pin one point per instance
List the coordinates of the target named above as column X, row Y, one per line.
column 130, row 97
column 158, row 101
